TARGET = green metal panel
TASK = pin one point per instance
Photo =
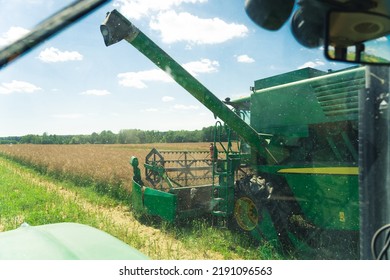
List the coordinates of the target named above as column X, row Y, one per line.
column 137, row 198
column 285, row 111
column 63, row 241
column 288, row 77
column 328, row 196
column 292, row 106
column 145, row 200
column 328, row 201
column 159, row 203
column 265, row 230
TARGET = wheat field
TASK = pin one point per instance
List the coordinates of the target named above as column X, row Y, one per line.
column 85, row 164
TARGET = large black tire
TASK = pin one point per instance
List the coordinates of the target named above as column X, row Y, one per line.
column 246, row 213
column 252, row 196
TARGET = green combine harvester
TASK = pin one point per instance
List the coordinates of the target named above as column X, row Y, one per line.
column 288, row 170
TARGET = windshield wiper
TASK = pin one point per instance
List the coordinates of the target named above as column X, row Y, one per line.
column 49, row 27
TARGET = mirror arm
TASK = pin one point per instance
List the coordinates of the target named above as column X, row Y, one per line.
column 340, row 53
column 359, row 49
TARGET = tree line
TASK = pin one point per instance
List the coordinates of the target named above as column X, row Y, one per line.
column 125, row 136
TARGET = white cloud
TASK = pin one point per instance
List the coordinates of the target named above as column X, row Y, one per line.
column 185, row 107
column 13, row 34
column 69, row 116
column 18, row 86
column 96, row 92
column 55, row 55
column 139, row 79
column 202, row 66
column 136, row 9
column 167, row 98
column 245, row 59
column 151, row 110
column 312, row 64
column 177, row 27
column 382, row 39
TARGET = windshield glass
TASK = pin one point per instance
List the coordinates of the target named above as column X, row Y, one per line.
column 73, row 84
column 296, row 186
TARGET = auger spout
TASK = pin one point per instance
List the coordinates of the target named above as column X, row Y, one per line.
column 116, row 27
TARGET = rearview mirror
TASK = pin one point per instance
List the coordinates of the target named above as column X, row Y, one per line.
column 358, row 37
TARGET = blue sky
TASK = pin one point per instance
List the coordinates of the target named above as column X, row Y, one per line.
column 74, row 84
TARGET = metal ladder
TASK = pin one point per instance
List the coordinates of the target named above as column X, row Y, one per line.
column 223, row 179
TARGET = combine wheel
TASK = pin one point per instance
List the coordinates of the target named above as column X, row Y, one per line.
column 251, row 192
column 246, row 213
column 253, row 195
